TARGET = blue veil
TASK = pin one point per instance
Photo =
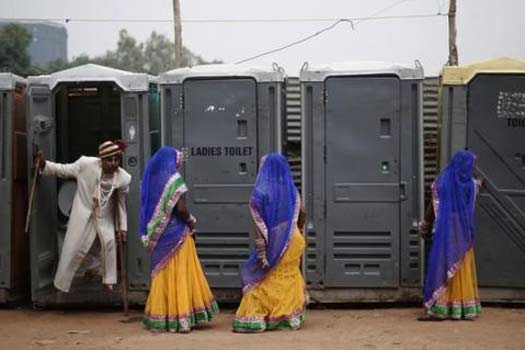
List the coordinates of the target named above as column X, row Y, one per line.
column 454, row 225
column 274, row 204
column 161, row 188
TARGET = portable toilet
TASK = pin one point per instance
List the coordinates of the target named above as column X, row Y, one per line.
column 70, row 113
column 483, row 108
column 362, row 180
column 14, row 244
column 225, row 118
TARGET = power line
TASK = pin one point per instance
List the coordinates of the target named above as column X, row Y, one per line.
column 297, row 42
column 353, row 22
column 171, row 21
column 374, row 16
column 356, row 20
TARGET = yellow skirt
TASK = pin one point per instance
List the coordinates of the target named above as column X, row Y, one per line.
column 460, row 298
column 180, row 297
column 278, row 301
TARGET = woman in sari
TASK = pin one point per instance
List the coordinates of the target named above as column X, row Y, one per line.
column 451, row 289
column 179, row 296
column 273, row 287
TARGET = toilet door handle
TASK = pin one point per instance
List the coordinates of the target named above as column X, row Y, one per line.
column 403, row 190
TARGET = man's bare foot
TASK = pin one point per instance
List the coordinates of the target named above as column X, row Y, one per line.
column 108, row 287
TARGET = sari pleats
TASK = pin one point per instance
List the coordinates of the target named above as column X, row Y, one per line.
column 180, row 297
column 278, row 301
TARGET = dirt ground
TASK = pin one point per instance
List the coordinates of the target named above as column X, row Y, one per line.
column 390, row 328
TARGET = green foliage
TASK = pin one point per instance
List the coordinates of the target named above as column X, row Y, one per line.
column 154, row 56
column 14, row 55
column 129, row 54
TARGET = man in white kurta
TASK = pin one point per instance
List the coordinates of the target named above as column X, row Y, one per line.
column 101, row 185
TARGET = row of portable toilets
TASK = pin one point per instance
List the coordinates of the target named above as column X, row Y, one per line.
column 361, row 160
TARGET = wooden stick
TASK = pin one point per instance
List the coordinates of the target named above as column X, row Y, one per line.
column 121, row 252
column 124, row 276
column 31, row 196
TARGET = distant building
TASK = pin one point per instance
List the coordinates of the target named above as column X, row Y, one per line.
column 49, row 41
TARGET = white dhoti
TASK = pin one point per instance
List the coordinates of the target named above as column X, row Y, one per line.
column 76, row 246
column 86, row 223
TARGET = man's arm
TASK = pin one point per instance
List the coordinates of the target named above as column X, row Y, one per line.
column 49, row 168
column 64, row 171
column 121, row 208
column 122, row 214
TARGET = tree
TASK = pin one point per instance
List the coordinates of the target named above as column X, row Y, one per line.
column 158, row 53
column 128, row 55
column 154, row 56
column 14, row 55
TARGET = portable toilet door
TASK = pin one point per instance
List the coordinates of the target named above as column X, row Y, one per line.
column 69, row 114
column 362, row 179
column 225, row 118
column 483, row 108
column 14, row 244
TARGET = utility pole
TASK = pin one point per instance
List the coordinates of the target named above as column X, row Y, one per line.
column 178, row 33
column 452, row 32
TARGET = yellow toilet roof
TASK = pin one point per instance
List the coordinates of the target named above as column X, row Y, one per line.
column 462, row 75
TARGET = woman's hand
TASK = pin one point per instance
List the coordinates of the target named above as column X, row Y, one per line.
column 479, row 182
column 260, row 250
column 425, row 230
column 264, row 262
column 191, row 223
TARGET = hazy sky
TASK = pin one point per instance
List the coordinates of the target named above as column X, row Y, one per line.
column 486, row 28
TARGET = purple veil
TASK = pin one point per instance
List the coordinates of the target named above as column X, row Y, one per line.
column 161, row 188
column 274, row 204
column 454, row 226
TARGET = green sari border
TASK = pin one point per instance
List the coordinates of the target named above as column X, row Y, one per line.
column 261, row 324
column 456, row 311
column 182, row 323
